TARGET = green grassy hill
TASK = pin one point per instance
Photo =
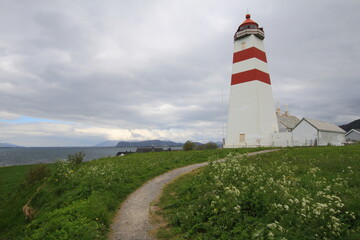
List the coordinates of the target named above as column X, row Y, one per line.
column 78, row 201
column 296, row 193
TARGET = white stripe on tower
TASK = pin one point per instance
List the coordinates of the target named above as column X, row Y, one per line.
column 251, row 111
column 249, row 64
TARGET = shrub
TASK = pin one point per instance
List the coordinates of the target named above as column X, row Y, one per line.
column 211, row 145
column 188, row 146
column 37, row 173
column 207, row 146
column 76, row 158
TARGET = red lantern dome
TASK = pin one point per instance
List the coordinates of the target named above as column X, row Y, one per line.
column 249, row 22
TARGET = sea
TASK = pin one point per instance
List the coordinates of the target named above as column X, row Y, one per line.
column 34, row 155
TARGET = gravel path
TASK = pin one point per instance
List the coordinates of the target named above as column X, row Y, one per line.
column 132, row 220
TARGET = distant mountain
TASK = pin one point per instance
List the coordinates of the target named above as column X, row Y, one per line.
column 353, row 125
column 9, row 145
column 149, row 143
column 107, row 144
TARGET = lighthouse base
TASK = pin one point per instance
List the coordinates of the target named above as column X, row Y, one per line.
column 283, row 139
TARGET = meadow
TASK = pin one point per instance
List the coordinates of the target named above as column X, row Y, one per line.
column 77, row 200
column 295, row 193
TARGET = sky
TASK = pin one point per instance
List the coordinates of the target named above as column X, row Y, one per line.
column 76, row 73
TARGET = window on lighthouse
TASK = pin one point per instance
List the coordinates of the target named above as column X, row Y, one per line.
column 243, row 45
column 252, row 26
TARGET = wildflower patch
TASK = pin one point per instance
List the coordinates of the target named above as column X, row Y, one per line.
column 294, row 194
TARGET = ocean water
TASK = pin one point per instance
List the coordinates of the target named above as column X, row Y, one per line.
column 33, row 155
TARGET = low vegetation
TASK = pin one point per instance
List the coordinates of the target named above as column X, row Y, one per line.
column 76, row 158
column 37, row 173
column 189, row 145
column 10, row 178
column 77, row 200
column 207, row 146
column 298, row 193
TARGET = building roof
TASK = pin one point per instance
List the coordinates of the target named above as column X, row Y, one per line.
column 323, row 126
column 248, row 21
column 287, row 120
column 353, row 130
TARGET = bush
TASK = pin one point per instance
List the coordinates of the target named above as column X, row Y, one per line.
column 76, row 158
column 188, row 146
column 207, row 146
column 211, row 145
column 37, row 173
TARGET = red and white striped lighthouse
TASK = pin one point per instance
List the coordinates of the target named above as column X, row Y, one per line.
column 252, row 115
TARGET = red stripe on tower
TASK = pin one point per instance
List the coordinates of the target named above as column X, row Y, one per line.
column 248, row 53
column 250, row 75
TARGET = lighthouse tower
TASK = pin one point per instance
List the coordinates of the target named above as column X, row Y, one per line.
column 251, row 116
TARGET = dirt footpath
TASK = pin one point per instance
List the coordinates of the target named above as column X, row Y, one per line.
column 132, row 220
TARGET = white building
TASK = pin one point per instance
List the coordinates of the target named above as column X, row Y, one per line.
column 251, row 107
column 309, row 132
column 353, row 135
column 286, row 122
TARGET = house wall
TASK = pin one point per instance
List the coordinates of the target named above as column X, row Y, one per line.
column 281, row 139
column 304, row 134
column 353, row 136
column 282, row 127
column 326, row 138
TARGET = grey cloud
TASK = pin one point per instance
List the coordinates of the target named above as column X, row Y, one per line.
column 167, row 64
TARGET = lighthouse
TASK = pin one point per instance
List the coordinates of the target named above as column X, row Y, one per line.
column 252, row 117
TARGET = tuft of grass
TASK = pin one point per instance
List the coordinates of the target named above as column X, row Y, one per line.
column 37, row 173
column 78, row 201
column 298, row 193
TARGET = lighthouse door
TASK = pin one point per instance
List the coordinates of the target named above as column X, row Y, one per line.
column 242, row 137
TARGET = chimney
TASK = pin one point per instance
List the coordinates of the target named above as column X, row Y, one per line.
column 278, row 110
column 286, row 110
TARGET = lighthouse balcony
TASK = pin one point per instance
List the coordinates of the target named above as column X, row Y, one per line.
column 247, row 32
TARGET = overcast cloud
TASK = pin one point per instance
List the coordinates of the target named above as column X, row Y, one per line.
column 81, row 72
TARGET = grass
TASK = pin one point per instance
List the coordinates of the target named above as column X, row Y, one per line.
column 10, row 178
column 78, row 201
column 297, row 193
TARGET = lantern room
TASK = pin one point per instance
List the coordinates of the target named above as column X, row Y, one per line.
column 249, row 27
